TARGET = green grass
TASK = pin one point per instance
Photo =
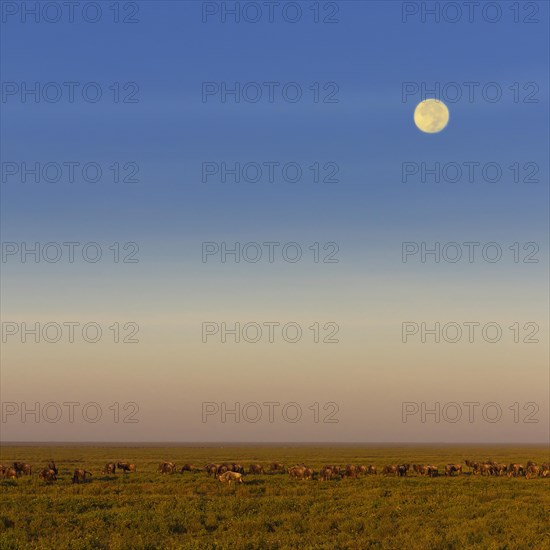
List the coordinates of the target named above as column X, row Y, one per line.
column 149, row 510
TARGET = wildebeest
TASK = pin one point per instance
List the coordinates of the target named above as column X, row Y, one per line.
column 452, row 469
column 402, row 469
column 300, row 472
column 390, row 469
column 256, row 469
column 79, row 476
column 515, row 470
column 544, row 469
column 22, row 468
column 277, row 467
column 211, row 469
column 10, row 473
column 231, row 477
column 326, row 473
column 351, row 470
column 126, row 467
column 532, row 470
column 371, row 470
column 188, row 468
column 167, row 467
column 110, row 468
column 421, row 469
column 48, row 474
column 473, row 466
column 52, row 466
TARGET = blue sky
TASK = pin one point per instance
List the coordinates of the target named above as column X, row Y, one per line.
column 369, row 133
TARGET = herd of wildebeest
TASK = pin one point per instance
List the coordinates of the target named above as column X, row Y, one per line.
column 231, row 472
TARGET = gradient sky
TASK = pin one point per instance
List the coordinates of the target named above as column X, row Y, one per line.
column 369, row 212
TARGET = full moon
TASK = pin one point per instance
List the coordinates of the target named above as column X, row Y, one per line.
column 431, row 116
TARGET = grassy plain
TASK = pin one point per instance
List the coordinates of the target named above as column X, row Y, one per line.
column 147, row 510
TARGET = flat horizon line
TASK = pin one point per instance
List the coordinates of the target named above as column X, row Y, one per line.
column 276, row 443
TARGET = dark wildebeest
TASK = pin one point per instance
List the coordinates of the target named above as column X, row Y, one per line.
column 452, row 469
column 211, row 469
column 22, row 468
column 48, row 474
column 110, row 468
column 126, row 467
column 361, row 469
column 52, row 466
column 371, row 470
column 256, row 469
column 167, row 467
column 515, row 470
column 188, row 468
column 231, row 477
column 402, row 469
column 390, row 469
column 277, row 467
column 222, row 468
column 544, row 469
column 350, row 471
column 79, row 476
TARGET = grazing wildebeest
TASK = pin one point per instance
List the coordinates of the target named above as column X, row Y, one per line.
column 167, row 467
column 110, row 468
column 371, row 470
column 532, row 470
column 79, row 476
column 499, row 469
column 515, row 470
column 390, row 469
column 48, row 474
column 231, row 477
column 126, row 467
column 422, row 469
column 402, row 469
column 326, row 473
column 188, row 468
column 10, row 473
column 211, row 469
column 544, row 469
column 361, row 469
column 473, row 466
column 52, row 466
column 452, row 469
column 239, row 468
column 256, row 469
column 277, row 467
column 22, row 468
column 350, row 471
column 486, row 469
column 297, row 472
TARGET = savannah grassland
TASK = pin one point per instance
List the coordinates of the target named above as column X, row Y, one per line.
column 150, row 510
